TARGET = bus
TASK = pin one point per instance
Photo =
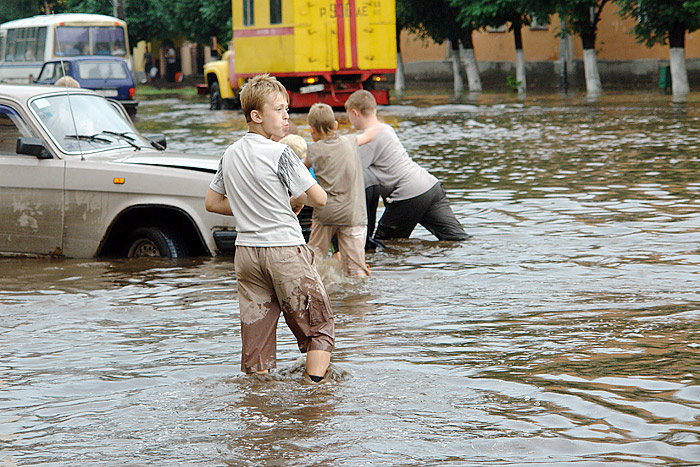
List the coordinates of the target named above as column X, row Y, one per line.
column 25, row 44
column 322, row 51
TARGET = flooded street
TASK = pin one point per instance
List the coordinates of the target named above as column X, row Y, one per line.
column 566, row 332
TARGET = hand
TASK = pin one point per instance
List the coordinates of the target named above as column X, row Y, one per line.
column 296, row 205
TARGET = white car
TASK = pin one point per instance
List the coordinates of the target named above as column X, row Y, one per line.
column 77, row 180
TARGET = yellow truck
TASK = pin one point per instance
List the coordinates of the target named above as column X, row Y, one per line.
column 321, row 50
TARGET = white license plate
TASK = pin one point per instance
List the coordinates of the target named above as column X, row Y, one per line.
column 107, row 92
column 312, row 88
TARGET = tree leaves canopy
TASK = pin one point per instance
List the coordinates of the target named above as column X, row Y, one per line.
column 658, row 21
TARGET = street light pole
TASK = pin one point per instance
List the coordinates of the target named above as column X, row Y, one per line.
column 119, row 8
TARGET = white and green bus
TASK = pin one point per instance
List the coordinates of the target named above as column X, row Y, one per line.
column 26, row 43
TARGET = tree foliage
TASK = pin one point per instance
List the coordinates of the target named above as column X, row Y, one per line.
column 436, row 20
column 495, row 13
column 199, row 20
column 16, row 9
column 662, row 21
column 582, row 18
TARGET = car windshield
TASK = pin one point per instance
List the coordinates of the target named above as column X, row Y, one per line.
column 101, row 70
column 85, row 123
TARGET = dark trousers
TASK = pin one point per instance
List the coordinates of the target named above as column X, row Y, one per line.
column 431, row 210
column 372, row 201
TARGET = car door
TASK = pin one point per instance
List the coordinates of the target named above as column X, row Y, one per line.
column 31, row 192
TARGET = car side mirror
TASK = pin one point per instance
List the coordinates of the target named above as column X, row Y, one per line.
column 157, row 141
column 32, row 147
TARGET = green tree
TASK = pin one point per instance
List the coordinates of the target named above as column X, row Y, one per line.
column 515, row 14
column 438, row 21
column 665, row 22
column 199, row 20
column 18, row 9
column 581, row 17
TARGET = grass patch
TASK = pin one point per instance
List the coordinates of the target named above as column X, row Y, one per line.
column 145, row 90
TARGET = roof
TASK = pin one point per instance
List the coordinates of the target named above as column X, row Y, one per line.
column 86, row 58
column 45, row 20
column 23, row 92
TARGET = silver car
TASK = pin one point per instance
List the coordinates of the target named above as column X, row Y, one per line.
column 77, row 180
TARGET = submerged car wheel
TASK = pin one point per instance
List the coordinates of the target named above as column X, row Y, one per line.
column 155, row 241
column 215, row 100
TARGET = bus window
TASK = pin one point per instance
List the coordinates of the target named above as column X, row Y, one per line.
column 40, row 44
column 109, row 41
column 248, row 16
column 275, row 11
column 2, row 48
column 72, row 40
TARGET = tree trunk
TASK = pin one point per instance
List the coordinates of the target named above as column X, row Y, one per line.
column 519, row 58
column 590, row 66
column 399, row 77
column 456, row 67
column 679, row 73
column 470, row 63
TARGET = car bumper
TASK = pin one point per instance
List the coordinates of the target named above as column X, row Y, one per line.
column 225, row 240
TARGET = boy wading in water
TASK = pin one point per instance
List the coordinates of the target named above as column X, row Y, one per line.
column 339, row 172
column 411, row 194
column 274, row 267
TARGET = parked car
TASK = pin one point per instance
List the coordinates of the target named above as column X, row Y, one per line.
column 78, row 180
column 106, row 75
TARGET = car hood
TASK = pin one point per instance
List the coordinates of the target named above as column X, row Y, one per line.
column 208, row 164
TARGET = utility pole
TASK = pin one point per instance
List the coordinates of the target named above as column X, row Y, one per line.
column 119, row 8
column 564, row 57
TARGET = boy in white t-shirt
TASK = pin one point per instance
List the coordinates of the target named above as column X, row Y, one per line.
column 274, row 267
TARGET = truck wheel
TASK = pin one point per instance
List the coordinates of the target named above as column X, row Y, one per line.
column 215, row 100
column 155, row 241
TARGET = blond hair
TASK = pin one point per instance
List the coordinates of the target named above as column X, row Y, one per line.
column 67, row 81
column 362, row 101
column 322, row 118
column 297, row 143
column 256, row 90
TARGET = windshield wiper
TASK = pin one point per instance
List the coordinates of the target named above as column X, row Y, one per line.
column 123, row 136
column 88, row 138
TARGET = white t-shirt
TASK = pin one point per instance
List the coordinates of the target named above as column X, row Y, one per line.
column 386, row 162
column 257, row 176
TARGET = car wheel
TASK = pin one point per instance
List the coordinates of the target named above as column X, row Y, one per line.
column 215, row 100
column 155, row 241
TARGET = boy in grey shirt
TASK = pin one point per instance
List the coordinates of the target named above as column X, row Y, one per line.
column 411, row 194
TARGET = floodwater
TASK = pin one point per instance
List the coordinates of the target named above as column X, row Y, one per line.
column 566, row 332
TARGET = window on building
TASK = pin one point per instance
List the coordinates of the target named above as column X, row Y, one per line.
column 248, row 16
column 501, row 28
column 539, row 25
column 275, row 11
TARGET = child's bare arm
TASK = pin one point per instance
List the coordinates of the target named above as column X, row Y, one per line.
column 314, row 196
column 368, row 135
column 218, row 203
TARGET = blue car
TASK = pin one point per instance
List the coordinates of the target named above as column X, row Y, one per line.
column 106, row 75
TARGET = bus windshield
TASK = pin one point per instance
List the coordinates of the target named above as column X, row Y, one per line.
column 90, row 40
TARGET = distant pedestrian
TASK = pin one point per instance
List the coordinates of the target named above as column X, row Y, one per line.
column 148, row 64
column 170, row 62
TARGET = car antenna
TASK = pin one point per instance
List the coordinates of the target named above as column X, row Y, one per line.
column 70, row 105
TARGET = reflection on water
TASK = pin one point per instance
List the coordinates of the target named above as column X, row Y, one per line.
column 565, row 332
